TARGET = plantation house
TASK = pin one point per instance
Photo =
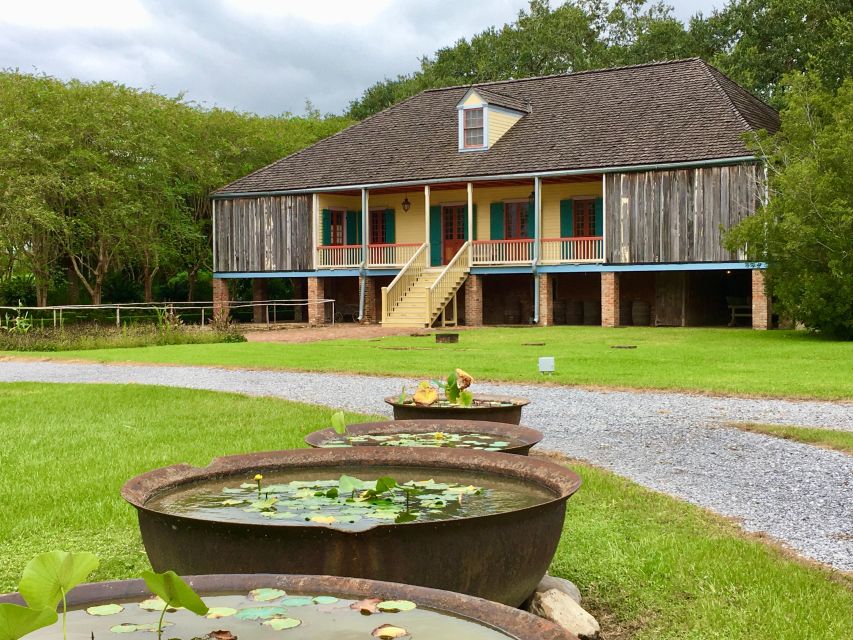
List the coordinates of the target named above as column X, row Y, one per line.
column 593, row 197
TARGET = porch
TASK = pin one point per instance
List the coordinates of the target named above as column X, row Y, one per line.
column 499, row 218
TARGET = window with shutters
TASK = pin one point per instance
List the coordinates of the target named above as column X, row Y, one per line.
column 337, row 227
column 515, row 220
column 377, row 226
column 473, row 128
column 584, row 218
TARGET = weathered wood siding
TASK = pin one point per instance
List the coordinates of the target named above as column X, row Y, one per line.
column 271, row 233
column 677, row 216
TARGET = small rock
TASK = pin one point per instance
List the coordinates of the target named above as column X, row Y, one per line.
column 556, row 606
column 560, row 584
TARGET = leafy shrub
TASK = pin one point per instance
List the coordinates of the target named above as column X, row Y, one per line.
column 19, row 289
column 92, row 336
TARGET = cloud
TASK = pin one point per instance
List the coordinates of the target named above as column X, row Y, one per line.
column 264, row 56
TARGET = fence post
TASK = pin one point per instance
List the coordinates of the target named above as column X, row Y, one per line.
column 54, row 318
column 118, row 317
column 202, row 316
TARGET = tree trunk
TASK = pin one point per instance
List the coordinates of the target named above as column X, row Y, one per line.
column 192, row 276
column 41, row 294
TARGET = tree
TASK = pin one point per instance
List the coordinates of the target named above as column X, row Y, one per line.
column 805, row 231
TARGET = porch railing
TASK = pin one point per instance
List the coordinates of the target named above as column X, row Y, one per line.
column 559, row 250
column 516, row 251
column 442, row 290
column 339, row 256
column 390, row 255
column 409, row 274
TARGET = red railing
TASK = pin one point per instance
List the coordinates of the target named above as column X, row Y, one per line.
column 558, row 250
column 390, row 255
column 516, row 251
column 339, row 256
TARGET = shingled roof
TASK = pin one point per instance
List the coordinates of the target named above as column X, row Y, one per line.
column 678, row 111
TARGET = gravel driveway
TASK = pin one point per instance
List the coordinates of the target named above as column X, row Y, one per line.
column 676, row 443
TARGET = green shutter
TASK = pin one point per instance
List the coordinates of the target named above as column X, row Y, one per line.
column 465, row 223
column 567, row 220
column 435, row 235
column 531, row 219
column 474, row 236
column 390, row 230
column 496, row 221
column 326, row 228
column 353, row 228
column 599, row 217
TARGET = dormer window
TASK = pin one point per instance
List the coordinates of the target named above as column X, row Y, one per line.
column 484, row 116
column 473, row 128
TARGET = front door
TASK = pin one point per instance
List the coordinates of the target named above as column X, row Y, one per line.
column 452, row 231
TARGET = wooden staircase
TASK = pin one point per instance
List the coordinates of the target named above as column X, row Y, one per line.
column 420, row 294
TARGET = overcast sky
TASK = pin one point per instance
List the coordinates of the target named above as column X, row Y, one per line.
column 265, row 56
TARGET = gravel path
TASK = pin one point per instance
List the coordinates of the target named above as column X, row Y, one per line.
column 675, row 443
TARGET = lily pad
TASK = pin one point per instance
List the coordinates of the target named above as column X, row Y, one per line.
column 325, row 600
column 214, row 613
column 393, row 606
column 128, row 627
column 280, row 624
column 389, row 632
column 260, row 613
column 265, row 595
column 105, row 610
column 297, row 601
column 366, row 606
column 155, row 604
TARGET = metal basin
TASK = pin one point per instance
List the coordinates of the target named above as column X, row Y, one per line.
column 515, row 623
column 510, row 414
column 499, row 557
column 526, row 436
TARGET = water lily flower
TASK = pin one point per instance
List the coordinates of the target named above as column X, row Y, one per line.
column 258, row 477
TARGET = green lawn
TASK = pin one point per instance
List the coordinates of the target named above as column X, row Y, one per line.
column 650, row 567
column 746, row 362
column 828, row 438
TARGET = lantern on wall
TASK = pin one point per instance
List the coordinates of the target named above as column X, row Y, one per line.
column 406, row 204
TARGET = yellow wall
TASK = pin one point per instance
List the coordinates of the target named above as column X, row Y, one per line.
column 474, row 100
column 499, row 124
column 410, row 226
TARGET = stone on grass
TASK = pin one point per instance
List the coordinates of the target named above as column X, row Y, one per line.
column 560, row 584
column 556, row 606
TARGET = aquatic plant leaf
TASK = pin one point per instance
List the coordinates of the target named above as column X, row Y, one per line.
column 425, row 396
column 232, row 501
column 366, row 606
column 393, row 606
column 128, row 627
column 280, row 624
column 339, row 422
column 265, row 595
column 47, row 576
column 348, row 484
column 260, row 613
column 232, row 490
column 466, row 398
column 171, row 588
column 405, row 517
column 221, row 634
column 17, row 621
column 297, row 601
column 325, row 600
column 323, row 519
column 500, row 444
column 155, row 604
column 105, row 610
column 214, row 613
column 389, row 632
column 385, row 484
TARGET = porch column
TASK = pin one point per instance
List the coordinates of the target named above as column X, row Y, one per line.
column 471, row 211
column 474, row 301
column 762, row 310
column 370, row 314
column 299, row 293
column 426, row 221
column 315, row 230
column 365, row 230
column 220, row 297
column 537, row 219
column 316, row 310
column 546, row 300
column 610, row 299
column 259, row 294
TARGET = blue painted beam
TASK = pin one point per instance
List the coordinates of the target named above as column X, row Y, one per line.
column 330, row 273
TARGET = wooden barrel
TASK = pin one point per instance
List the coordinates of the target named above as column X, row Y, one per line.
column 574, row 312
column 640, row 313
column 591, row 312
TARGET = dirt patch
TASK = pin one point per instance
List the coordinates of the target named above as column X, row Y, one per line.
column 300, row 333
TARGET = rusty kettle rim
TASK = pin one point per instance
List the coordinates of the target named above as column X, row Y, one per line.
column 560, row 481
column 518, row 624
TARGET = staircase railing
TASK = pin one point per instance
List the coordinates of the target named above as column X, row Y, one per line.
column 447, row 282
column 409, row 274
